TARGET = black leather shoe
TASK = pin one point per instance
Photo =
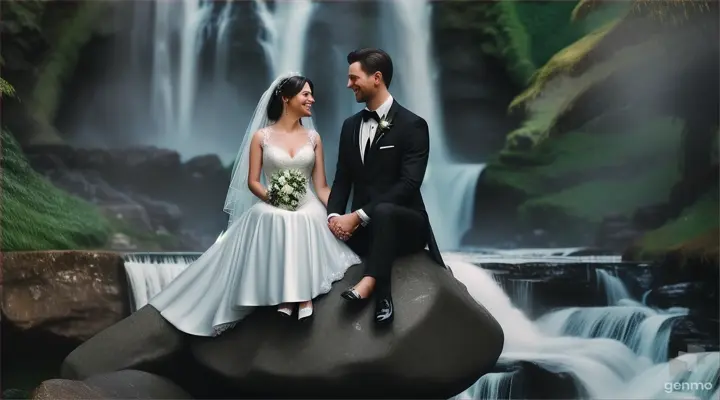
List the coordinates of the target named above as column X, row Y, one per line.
column 384, row 310
column 351, row 295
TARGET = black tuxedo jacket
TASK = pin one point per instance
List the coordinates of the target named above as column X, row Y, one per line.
column 393, row 170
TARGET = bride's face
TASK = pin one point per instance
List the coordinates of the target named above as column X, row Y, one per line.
column 302, row 103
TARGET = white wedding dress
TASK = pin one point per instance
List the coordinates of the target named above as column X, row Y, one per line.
column 267, row 256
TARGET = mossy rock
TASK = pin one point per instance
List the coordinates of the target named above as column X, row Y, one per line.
column 692, row 234
column 577, row 211
column 568, row 184
column 35, row 215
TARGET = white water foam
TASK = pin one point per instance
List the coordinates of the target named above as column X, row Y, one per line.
column 147, row 276
column 606, row 368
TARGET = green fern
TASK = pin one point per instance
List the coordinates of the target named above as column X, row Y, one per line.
column 6, row 89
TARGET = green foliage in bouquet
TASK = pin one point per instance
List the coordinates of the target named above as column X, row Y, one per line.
column 287, row 188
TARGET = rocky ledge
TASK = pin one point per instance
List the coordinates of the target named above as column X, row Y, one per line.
column 440, row 343
column 61, row 296
column 149, row 189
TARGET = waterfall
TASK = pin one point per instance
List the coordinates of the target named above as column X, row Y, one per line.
column 449, row 188
column 613, row 287
column 222, row 46
column 174, row 79
column 193, row 15
column 147, row 276
column 286, row 30
column 603, row 367
column 162, row 95
column 643, row 330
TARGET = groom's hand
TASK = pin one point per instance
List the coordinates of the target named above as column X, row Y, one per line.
column 343, row 226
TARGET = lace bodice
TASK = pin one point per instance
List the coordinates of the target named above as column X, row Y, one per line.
column 277, row 157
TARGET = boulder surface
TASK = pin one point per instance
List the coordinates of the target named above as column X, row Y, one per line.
column 439, row 344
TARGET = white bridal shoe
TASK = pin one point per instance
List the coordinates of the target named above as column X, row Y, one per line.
column 285, row 309
column 304, row 312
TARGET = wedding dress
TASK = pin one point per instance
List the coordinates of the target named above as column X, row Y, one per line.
column 267, row 256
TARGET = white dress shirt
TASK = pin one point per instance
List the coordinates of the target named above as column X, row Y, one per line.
column 367, row 130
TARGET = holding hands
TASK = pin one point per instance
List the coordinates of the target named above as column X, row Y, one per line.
column 343, row 226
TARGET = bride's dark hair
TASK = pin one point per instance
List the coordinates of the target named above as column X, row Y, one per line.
column 287, row 88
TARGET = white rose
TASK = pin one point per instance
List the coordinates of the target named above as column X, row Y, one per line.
column 294, row 203
column 384, row 124
column 282, row 180
column 286, row 199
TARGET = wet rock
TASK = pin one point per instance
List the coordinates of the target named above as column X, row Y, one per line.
column 693, row 334
column 700, row 297
column 513, row 379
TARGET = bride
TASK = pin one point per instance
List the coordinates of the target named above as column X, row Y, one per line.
column 268, row 255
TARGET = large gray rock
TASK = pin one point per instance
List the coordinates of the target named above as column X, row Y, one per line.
column 440, row 343
column 142, row 341
column 115, row 385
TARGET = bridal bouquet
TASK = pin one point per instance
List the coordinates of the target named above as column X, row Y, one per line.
column 287, row 188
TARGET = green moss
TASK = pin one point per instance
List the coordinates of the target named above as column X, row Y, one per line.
column 35, row 215
column 576, row 154
column 6, row 89
column 570, row 183
column 495, row 26
column 694, row 222
column 587, row 204
column 549, row 26
column 72, row 33
column 561, row 63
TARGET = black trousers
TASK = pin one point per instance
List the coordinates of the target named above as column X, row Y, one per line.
column 394, row 231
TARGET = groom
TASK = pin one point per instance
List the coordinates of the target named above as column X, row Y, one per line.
column 383, row 156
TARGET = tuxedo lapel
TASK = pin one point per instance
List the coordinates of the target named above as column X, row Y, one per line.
column 391, row 117
column 357, row 123
column 392, row 113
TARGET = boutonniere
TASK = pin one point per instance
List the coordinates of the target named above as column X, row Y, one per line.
column 384, row 125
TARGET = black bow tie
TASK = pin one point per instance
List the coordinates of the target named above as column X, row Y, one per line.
column 367, row 114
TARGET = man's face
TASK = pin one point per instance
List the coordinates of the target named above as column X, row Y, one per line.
column 364, row 86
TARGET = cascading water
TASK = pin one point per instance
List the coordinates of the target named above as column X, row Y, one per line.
column 147, row 276
column 615, row 290
column 286, row 29
column 222, row 47
column 173, row 84
column 448, row 188
column 604, row 368
column 194, row 15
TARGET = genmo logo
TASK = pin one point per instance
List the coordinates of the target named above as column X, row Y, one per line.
column 681, row 370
